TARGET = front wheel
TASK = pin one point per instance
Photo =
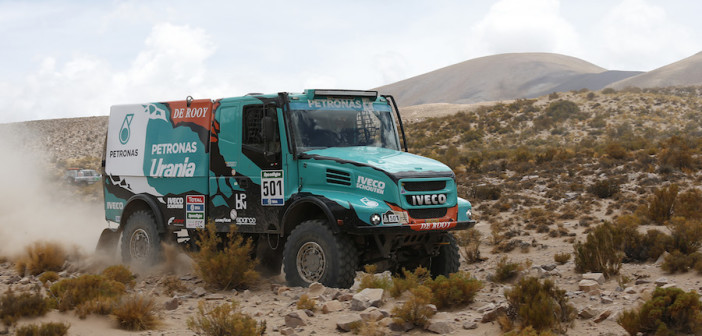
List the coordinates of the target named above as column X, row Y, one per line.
column 313, row 253
column 448, row 260
column 141, row 243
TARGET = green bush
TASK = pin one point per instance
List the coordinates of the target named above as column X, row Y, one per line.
column 687, row 204
column 371, row 280
column 415, row 310
column 225, row 319
column 13, row 307
column 67, row 294
column 604, row 188
column 44, row 329
column 541, row 305
column 686, row 234
column 660, row 205
column 676, row 153
column 600, row 253
column 458, row 290
column 305, row 302
column 119, row 273
column 409, row 280
column 670, row 311
column 561, row 258
column 225, row 263
column 506, row 270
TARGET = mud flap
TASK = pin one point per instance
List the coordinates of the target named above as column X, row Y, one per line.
column 107, row 244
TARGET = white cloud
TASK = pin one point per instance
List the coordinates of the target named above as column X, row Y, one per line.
column 524, row 26
column 641, row 35
column 391, row 65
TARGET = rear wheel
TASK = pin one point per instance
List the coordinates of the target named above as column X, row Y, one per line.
column 141, row 243
column 314, row 254
column 448, row 260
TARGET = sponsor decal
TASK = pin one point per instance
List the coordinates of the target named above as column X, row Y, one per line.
column 335, row 103
column 124, row 132
column 369, row 184
column 114, row 205
column 175, row 203
column 223, row 220
column 124, row 153
column 174, row 148
column 195, row 211
column 161, row 169
column 433, row 226
column 188, row 112
column 175, row 221
column 369, row 202
column 232, row 214
column 240, row 201
column 272, row 187
column 245, row 221
column 435, row 199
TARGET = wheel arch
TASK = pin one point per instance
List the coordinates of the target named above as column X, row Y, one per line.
column 305, row 209
column 143, row 202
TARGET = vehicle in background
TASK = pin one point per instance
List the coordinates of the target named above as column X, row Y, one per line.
column 82, row 176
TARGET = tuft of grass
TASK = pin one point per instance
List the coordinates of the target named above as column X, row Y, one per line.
column 458, row 290
column 409, row 280
column 225, row 263
column 370, row 280
column 119, row 273
column 225, row 319
column 416, row 310
column 561, row 258
column 136, row 312
column 44, row 329
column 173, row 285
column 541, row 305
column 40, row 257
column 13, row 307
column 305, row 302
column 48, row 276
column 670, row 311
column 70, row 293
column 99, row 305
column 506, row 270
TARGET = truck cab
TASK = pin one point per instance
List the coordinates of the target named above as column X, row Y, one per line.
column 318, row 179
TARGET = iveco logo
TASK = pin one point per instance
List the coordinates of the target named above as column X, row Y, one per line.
column 427, row 199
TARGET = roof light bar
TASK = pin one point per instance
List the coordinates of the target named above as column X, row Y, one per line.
column 346, row 93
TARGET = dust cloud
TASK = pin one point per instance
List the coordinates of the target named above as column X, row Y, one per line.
column 37, row 204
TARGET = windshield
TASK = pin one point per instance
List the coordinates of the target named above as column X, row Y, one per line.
column 323, row 128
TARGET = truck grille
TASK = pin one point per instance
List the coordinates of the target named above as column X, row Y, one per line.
column 427, row 213
column 424, row 185
column 338, row 177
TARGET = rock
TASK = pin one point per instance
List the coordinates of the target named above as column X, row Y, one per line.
column 287, row 331
column 661, row 259
column 587, row 313
column 603, row 316
column 24, row 281
column 606, row 300
column 641, row 281
column 368, row 297
column 599, row 277
column 549, row 267
column 282, row 289
column 630, row 290
column 432, row 308
column 171, row 304
column 199, row 292
column 440, row 327
column 661, row 281
column 470, row 325
column 297, row 318
column 13, row 279
column 493, row 314
column 345, row 297
column 487, row 307
column 372, row 314
column 315, row 290
column 347, row 321
column 588, row 286
column 332, row 306
column 400, row 327
column 214, row 297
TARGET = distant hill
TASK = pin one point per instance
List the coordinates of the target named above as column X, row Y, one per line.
column 503, row 77
column 681, row 73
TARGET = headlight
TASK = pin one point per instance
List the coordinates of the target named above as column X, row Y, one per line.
column 375, row 219
column 469, row 213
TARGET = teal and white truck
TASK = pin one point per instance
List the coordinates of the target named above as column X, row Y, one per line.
column 319, row 180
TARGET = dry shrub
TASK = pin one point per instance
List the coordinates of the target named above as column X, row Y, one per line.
column 69, row 293
column 44, row 329
column 615, row 150
column 469, row 242
column 41, row 257
column 660, row 206
column 13, row 307
column 458, row 290
column 506, row 270
column 100, row 306
column 225, row 319
column 561, row 258
column 600, row 253
column 677, row 261
column 371, row 280
column 540, row 305
column 369, row 328
column 409, row 280
column 173, row 285
column 669, row 311
column 119, row 273
column 225, row 263
column 305, row 302
column 604, row 188
column 136, row 312
column 676, row 153
column 687, row 204
column 686, row 234
column 48, row 276
column 487, row 192
column 415, row 310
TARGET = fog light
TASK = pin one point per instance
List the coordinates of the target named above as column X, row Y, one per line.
column 375, row 219
column 469, row 213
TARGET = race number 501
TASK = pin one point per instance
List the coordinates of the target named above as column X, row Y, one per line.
column 272, row 187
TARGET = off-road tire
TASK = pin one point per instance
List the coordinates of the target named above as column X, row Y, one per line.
column 141, row 244
column 338, row 251
column 448, row 260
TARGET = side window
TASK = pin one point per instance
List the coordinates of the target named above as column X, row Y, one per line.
column 256, row 121
column 252, row 136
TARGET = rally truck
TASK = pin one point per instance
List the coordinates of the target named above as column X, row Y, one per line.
column 318, row 180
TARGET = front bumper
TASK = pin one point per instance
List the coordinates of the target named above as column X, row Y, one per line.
column 411, row 228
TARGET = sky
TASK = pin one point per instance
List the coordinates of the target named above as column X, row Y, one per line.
column 73, row 58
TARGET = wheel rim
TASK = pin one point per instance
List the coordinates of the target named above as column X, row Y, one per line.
column 311, row 262
column 139, row 246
